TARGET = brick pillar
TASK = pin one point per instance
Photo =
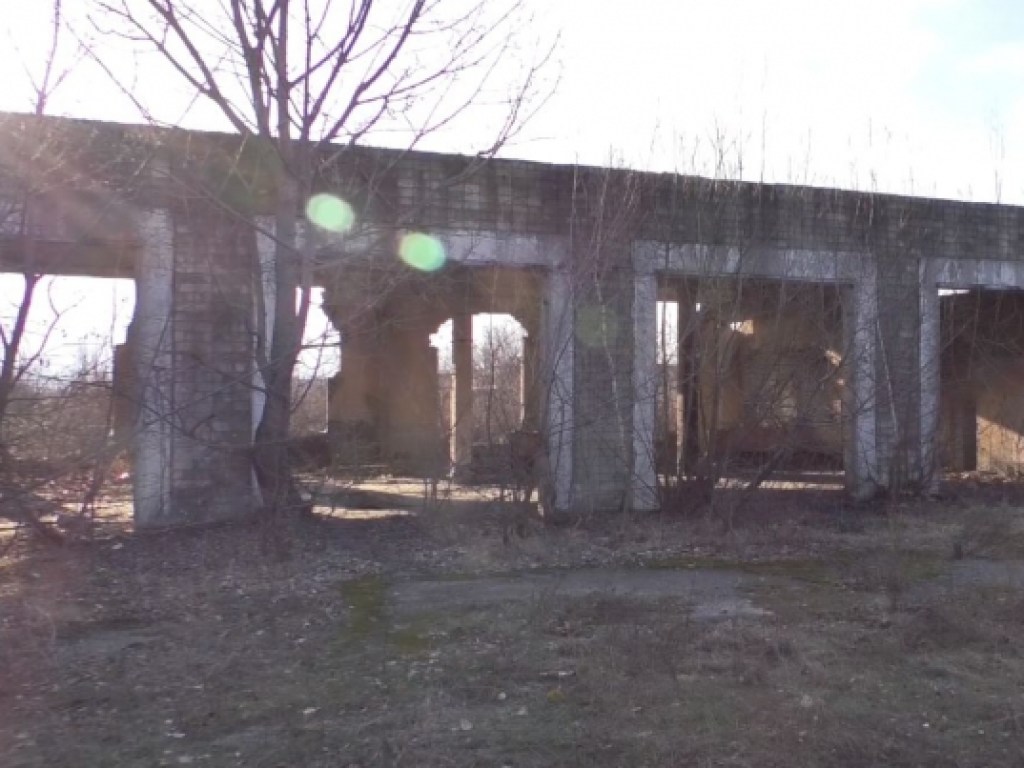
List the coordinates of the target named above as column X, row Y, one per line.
column 462, row 392
column 212, row 359
column 192, row 334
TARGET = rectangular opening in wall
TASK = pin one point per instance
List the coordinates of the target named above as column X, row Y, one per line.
column 750, row 389
column 981, row 401
column 68, row 400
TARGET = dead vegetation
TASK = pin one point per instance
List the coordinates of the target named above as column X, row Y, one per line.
column 894, row 643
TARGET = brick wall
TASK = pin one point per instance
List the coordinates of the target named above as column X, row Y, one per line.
column 211, row 321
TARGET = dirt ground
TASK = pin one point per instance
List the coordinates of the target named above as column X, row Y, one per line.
column 457, row 633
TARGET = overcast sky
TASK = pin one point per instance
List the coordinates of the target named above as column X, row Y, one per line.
column 922, row 96
column 912, row 96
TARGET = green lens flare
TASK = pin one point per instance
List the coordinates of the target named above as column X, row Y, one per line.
column 422, row 252
column 330, row 213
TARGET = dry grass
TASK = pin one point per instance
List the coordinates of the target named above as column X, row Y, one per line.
column 189, row 649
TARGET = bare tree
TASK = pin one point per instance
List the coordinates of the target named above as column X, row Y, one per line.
column 17, row 222
column 300, row 77
column 497, row 364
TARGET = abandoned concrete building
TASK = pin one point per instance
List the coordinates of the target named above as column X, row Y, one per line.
column 881, row 335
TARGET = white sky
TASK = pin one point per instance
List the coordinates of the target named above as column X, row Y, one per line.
column 912, row 96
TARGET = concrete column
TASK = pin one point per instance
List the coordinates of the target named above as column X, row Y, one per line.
column 212, row 312
column 410, row 418
column 644, row 481
column 860, row 318
column 603, row 393
column 150, row 338
column 556, row 377
column 263, row 313
column 687, row 382
column 528, row 386
column 462, row 392
column 192, row 334
column 354, row 407
column 124, row 393
column 930, row 352
column 354, row 386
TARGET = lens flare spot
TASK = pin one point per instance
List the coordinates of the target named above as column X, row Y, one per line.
column 596, row 326
column 330, row 213
column 422, row 252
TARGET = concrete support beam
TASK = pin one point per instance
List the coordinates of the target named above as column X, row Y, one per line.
column 462, row 392
column 644, row 480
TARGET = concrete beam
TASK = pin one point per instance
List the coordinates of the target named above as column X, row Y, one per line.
column 814, row 266
column 976, row 273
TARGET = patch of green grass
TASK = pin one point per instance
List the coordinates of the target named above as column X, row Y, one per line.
column 907, row 565
column 412, row 639
column 366, row 599
column 810, row 570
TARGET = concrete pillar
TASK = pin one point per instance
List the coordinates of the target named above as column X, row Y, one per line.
column 529, row 390
column 644, row 480
column 354, row 407
column 263, row 314
column 124, row 393
column 927, row 470
column 193, row 337
column 150, row 337
column 410, row 418
column 687, row 382
column 556, row 377
column 860, row 319
column 603, row 402
column 462, row 392
column 893, row 342
column 354, row 387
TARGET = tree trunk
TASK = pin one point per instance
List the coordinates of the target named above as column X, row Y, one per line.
column 272, row 462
